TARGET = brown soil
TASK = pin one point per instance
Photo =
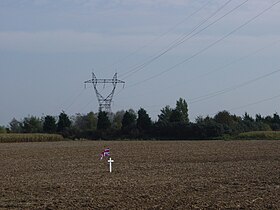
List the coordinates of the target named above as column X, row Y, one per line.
column 146, row 175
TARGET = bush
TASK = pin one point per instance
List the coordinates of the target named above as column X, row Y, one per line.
column 260, row 135
column 26, row 137
column 3, row 129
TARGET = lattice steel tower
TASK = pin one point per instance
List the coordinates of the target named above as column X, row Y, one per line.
column 104, row 102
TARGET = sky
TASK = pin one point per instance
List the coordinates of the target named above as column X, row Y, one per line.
column 217, row 55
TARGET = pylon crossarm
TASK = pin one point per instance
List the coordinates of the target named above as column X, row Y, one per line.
column 104, row 102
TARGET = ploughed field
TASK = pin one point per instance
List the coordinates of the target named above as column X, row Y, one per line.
column 146, row 175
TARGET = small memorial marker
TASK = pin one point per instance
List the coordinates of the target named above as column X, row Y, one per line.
column 110, row 161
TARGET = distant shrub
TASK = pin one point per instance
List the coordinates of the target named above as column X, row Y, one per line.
column 3, row 129
column 260, row 135
column 22, row 137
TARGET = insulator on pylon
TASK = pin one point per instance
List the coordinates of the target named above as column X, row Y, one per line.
column 104, row 102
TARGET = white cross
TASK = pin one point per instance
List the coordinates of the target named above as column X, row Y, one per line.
column 110, row 161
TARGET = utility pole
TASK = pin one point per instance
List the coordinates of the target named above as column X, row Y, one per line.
column 104, row 102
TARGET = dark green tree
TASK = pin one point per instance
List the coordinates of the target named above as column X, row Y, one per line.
column 3, row 129
column 248, row 123
column 91, row 121
column 231, row 123
column 172, row 123
column 128, row 121
column 224, row 118
column 176, row 117
column 32, row 125
column 86, row 122
column 247, row 118
column 49, row 125
column 182, row 108
column 164, row 117
column 259, row 118
column 144, row 122
column 103, row 121
column 117, row 120
column 84, row 126
column 207, row 128
column 276, row 122
column 15, row 126
column 63, row 123
column 276, row 118
column 262, row 124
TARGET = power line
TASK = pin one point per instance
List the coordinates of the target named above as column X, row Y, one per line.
column 237, row 60
column 73, row 101
column 161, row 35
column 209, row 46
column 226, row 90
column 86, row 105
column 190, row 35
column 273, row 43
column 230, row 63
column 181, row 40
column 256, row 102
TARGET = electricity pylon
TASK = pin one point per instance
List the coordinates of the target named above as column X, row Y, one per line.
column 104, row 102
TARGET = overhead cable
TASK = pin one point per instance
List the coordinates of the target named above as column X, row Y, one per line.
column 226, row 90
column 160, row 36
column 180, row 40
column 209, row 46
column 256, row 102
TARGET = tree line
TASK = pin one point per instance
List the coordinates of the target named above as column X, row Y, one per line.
column 172, row 123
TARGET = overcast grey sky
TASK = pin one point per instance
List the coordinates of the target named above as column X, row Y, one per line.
column 227, row 59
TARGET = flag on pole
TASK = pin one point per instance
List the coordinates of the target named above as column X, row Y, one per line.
column 105, row 153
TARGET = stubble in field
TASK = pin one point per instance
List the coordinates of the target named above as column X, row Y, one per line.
column 146, row 175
